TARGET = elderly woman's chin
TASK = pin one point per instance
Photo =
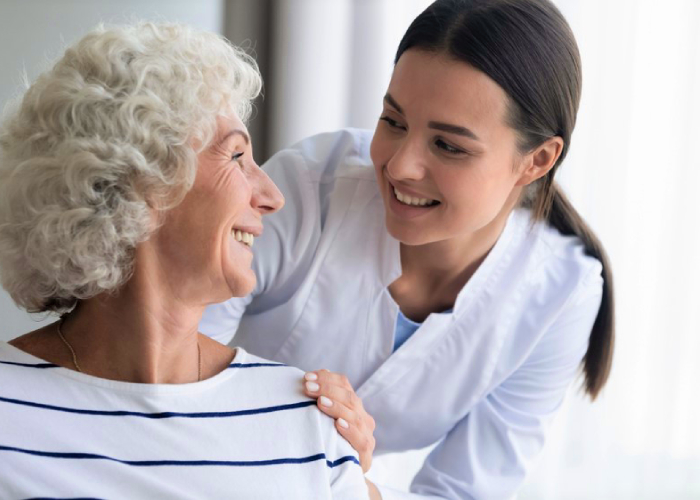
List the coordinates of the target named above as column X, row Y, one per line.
column 238, row 271
column 196, row 273
column 241, row 281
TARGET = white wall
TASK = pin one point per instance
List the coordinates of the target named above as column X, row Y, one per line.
column 332, row 61
column 33, row 32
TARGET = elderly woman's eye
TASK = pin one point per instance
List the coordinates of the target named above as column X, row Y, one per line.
column 237, row 156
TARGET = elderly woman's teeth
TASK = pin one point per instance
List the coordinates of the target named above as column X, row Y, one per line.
column 243, row 237
column 408, row 200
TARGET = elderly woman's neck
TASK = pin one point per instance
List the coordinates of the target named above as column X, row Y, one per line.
column 141, row 336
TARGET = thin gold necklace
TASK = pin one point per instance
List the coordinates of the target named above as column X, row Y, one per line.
column 77, row 366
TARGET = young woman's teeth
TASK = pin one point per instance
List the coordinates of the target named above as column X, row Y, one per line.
column 243, row 237
column 408, row 200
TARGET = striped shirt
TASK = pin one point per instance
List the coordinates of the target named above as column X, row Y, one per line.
column 248, row 432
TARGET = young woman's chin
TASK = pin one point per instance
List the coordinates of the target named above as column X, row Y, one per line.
column 407, row 233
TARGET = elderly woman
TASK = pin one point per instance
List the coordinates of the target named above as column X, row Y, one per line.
column 129, row 200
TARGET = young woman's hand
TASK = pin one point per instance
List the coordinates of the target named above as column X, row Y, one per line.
column 336, row 398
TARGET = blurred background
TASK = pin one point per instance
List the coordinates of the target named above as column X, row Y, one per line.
column 633, row 172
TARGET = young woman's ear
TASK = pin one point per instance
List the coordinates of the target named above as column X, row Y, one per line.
column 540, row 160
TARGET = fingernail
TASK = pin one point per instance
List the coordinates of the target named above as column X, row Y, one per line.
column 312, row 386
column 325, row 401
column 343, row 423
column 311, row 376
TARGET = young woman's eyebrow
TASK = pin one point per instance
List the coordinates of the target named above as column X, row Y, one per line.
column 392, row 102
column 453, row 129
column 444, row 127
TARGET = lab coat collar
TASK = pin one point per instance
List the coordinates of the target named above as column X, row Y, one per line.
column 470, row 301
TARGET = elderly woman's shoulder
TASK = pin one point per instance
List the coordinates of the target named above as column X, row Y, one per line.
column 218, row 358
column 277, row 377
column 42, row 343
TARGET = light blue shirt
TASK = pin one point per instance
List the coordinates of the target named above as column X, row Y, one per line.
column 405, row 328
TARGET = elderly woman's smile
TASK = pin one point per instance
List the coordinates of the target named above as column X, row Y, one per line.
column 243, row 236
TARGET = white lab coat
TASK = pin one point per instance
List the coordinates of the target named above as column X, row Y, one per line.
column 484, row 380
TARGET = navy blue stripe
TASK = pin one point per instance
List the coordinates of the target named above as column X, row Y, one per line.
column 342, row 460
column 167, row 414
column 51, row 365
column 190, row 463
column 29, row 365
column 253, row 365
column 52, row 498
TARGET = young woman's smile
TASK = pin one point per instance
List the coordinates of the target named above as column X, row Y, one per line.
column 406, row 203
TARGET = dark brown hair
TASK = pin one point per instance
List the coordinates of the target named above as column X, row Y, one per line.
column 527, row 48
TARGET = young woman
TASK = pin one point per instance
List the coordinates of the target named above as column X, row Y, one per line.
column 437, row 265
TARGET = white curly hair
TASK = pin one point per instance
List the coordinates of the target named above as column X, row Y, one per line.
column 98, row 142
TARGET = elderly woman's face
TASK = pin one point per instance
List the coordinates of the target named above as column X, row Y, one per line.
column 206, row 240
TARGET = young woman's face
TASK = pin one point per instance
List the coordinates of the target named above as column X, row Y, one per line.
column 443, row 141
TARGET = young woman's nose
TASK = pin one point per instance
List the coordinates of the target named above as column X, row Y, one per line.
column 406, row 164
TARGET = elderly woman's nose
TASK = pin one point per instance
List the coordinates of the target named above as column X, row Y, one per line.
column 267, row 198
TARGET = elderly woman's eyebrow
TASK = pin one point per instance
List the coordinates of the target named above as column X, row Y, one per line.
column 235, row 131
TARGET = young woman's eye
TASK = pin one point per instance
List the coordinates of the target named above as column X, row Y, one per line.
column 447, row 148
column 393, row 123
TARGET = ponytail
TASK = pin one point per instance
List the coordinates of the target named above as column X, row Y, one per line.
column 554, row 207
